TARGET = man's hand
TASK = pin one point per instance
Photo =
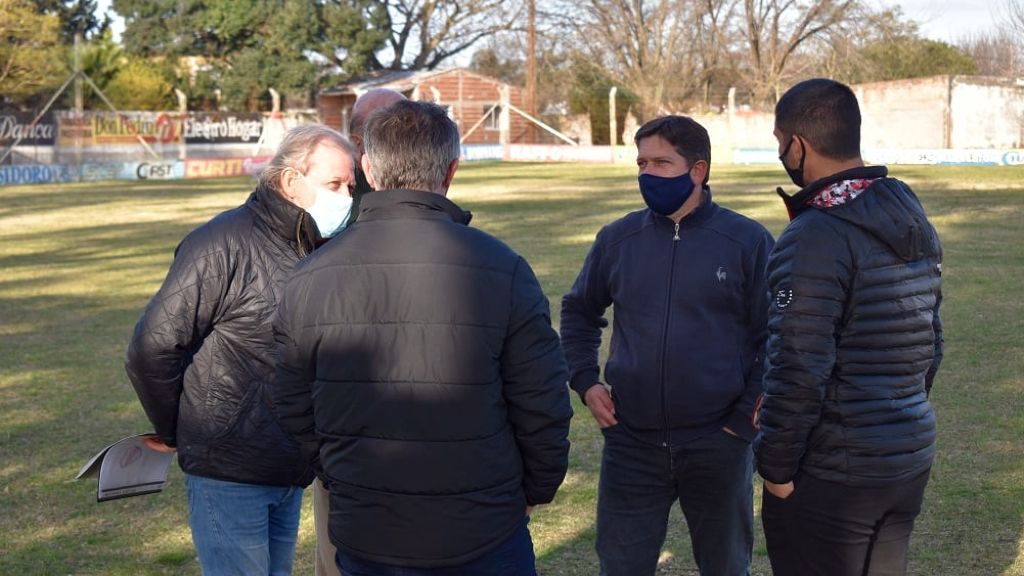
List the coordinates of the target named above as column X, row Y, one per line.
column 157, row 445
column 779, row 490
column 601, row 406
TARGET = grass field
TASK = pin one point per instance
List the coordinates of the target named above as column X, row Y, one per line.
column 78, row 263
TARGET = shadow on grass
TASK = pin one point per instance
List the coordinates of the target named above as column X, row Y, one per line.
column 71, row 291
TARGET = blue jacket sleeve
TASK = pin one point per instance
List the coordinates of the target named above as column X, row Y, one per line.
column 533, row 374
column 583, row 319
column 743, row 421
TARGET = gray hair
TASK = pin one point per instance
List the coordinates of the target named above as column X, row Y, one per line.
column 410, row 145
column 295, row 149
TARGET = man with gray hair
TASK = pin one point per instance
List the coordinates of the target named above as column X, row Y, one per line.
column 418, row 354
column 201, row 356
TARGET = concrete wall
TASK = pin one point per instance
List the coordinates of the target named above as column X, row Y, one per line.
column 905, row 113
column 987, row 112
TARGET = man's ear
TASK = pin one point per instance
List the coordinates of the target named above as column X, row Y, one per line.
column 287, row 184
column 357, row 141
column 450, row 174
column 364, row 161
column 699, row 172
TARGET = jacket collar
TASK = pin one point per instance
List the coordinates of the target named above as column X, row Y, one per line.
column 284, row 219
column 798, row 202
column 386, row 204
column 695, row 218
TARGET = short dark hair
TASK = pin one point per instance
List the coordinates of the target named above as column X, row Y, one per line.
column 689, row 138
column 823, row 112
column 410, row 145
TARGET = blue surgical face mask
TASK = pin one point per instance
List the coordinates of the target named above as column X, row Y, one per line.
column 665, row 195
column 330, row 210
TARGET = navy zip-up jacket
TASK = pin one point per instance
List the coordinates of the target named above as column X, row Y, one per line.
column 690, row 306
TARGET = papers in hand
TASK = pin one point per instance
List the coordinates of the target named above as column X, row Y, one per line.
column 127, row 468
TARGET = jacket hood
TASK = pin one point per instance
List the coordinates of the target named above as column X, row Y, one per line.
column 887, row 209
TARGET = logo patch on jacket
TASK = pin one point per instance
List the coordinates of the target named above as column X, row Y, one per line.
column 721, row 274
column 783, row 298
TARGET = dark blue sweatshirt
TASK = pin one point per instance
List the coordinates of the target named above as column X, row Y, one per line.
column 690, row 306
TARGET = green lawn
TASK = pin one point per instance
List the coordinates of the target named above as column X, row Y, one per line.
column 78, row 263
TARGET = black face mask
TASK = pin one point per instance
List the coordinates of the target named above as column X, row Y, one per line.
column 795, row 174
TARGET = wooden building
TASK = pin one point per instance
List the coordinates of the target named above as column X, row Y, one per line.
column 473, row 101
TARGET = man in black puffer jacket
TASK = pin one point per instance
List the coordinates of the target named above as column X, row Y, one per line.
column 847, row 432
column 418, row 353
column 201, row 356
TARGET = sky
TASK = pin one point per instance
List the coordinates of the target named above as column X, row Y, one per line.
column 946, row 20
column 951, row 20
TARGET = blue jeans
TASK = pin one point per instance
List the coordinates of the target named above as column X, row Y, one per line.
column 712, row 479
column 513, row 557
column 243, row 529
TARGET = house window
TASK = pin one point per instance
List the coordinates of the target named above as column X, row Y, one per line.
column 493, row 122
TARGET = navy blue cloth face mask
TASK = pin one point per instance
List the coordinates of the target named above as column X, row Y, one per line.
column 665, row 195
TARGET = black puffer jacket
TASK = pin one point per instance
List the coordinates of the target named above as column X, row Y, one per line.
column 425, row 349
column 202, row 353
column 854, row 339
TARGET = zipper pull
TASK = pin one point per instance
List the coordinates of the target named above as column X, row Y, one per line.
column 676, row 237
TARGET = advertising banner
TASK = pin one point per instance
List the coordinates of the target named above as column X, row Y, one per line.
column 35, row 174
column 225, row 167
column 222, row 128
column 14, row 125
column 101, row 128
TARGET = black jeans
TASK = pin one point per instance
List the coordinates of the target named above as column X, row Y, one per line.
column 712, row 479
column 829, row 529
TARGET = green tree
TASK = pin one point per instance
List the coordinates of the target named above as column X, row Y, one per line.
column 140, row 85
column 913, row 57
column 76, row 17
column 354, row 31
column 31, row 56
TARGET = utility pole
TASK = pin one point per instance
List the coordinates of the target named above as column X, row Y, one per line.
column 79, row 105
column 531, row 64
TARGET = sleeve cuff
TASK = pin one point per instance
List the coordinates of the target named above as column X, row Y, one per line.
column 740, row 424
column 583, row 381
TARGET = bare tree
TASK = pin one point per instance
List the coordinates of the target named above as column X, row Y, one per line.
column 424, row 33
column 1015, row 16
column 775, row 30
column 997, row 53
column 646, row 46
column 715, row 19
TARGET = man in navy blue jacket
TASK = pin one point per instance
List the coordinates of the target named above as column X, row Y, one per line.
column 854, row 342
column 685, row 279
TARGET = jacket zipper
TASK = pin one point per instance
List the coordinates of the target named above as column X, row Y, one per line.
column 298, row 237
column 664, row 335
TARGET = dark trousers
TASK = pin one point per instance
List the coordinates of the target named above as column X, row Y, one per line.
column 513, row 557
column 829, row 529
column 711, row 478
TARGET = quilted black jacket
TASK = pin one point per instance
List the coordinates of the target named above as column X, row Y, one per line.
column 202, row 353
column 854, row 339
column 419, row 353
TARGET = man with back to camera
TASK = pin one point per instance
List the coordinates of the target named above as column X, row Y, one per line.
column 202, row 352
column 847, row 432
column 418, row 353
column 685, row 278
column 367, row 103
